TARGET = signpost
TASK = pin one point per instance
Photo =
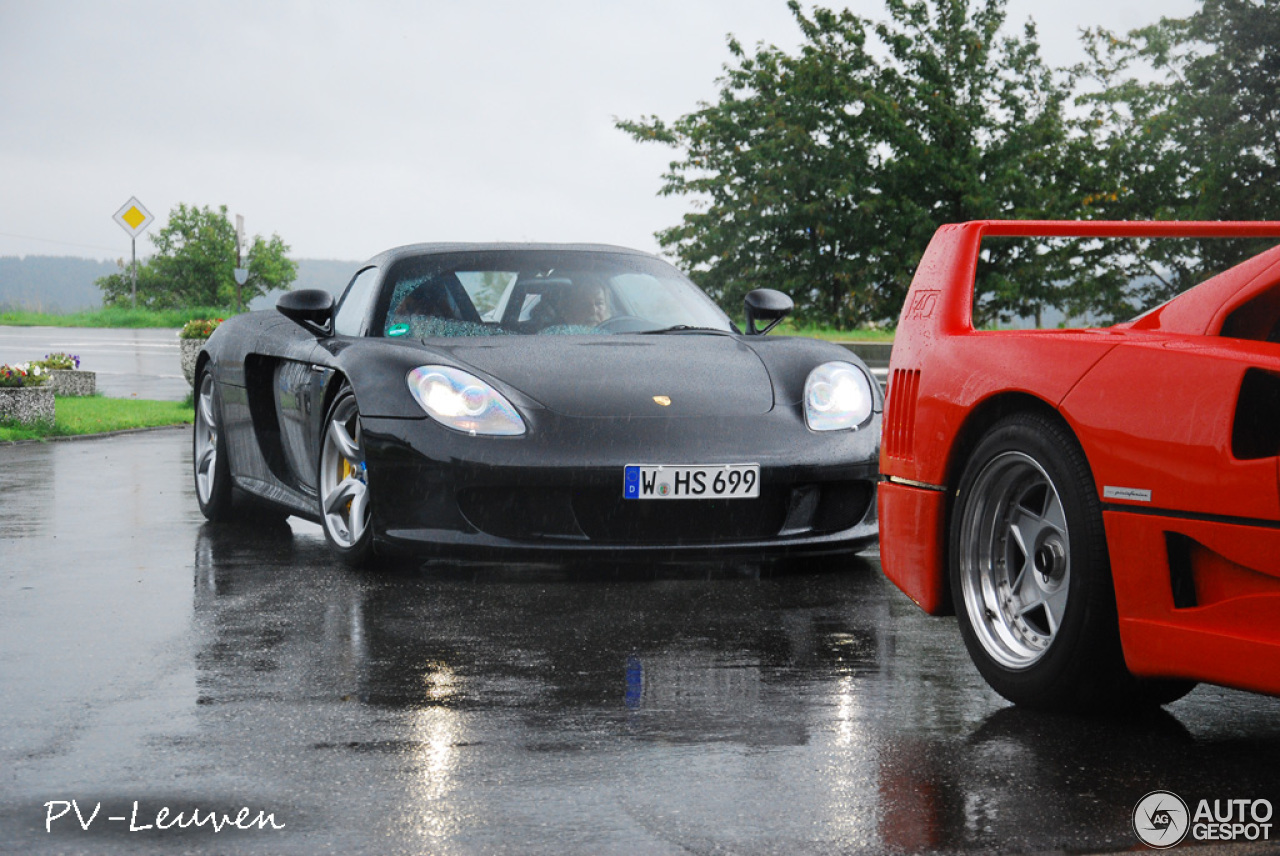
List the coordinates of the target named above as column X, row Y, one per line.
column 134, row 218
column 241, row 273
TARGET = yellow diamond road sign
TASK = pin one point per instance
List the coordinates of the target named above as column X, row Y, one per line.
column 134, row 217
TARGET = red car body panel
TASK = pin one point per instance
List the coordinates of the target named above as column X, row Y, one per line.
column 1174, row 412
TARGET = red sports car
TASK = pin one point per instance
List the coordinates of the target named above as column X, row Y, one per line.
column 1099, row 507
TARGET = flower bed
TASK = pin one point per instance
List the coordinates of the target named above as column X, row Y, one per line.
column 60, row 372
column 59, row 361
column 199, row 328
column 22, row 375
column 191, row 339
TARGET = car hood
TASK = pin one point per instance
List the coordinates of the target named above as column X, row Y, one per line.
column 626, row 376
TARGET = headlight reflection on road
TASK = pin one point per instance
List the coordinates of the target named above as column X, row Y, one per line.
column 849, row 726
column 437, row 732
column 441, row 683
column 851, row 772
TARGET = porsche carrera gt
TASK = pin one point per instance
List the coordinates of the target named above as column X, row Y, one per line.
column 523, row 400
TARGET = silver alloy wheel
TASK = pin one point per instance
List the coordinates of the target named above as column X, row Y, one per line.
column 1015, row 559
column 344, row 489
column 206, row 440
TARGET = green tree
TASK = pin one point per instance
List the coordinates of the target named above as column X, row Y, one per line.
column 1183, row 123
column 269, row 267
column 117, row 288
column 824, row 173
column 195, row 257
column 194, row 265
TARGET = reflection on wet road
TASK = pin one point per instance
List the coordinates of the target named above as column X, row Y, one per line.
column 146, row 656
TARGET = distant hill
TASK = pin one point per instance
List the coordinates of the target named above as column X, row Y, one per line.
column 58, row 284
column 51, row 283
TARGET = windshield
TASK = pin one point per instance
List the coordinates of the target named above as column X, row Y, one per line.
column 539, row 292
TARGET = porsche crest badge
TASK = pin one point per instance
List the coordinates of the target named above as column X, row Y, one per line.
column 663, row 400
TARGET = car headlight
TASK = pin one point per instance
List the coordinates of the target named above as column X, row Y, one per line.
column 836, row 396
column 463, row 402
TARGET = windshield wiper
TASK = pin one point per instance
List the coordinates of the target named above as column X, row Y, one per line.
column 685, row 328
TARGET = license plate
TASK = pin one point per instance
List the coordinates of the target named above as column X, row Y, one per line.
column 677, row 481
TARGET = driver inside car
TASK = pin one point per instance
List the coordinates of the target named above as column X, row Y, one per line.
column 427, row 300
column 583, row 305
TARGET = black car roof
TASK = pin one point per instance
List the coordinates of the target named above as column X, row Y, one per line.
column 427, row 249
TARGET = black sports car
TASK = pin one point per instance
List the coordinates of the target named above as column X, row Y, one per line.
column 499, row 399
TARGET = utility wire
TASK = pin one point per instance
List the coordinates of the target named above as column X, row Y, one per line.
column 62, row 243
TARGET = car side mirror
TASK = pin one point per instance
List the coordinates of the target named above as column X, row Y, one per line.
column 765, row 304
column 311, row 308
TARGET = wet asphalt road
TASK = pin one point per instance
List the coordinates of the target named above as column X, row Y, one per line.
column 147, row 656
column 128, row 363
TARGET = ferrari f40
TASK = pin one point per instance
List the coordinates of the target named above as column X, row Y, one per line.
column 1099, row 507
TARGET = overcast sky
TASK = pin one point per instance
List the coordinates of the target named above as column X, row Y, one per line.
column 351, row 127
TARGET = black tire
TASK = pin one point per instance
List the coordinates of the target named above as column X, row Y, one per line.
column 342, row 483
column 209, row 464
column 1031, row 578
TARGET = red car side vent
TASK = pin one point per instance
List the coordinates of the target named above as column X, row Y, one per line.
column 900, row 415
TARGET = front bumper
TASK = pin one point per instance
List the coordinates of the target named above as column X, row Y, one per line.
column 560, row 491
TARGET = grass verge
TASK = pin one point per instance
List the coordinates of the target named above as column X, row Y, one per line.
column 114, row 316
column 830, row 334
column 98, row 415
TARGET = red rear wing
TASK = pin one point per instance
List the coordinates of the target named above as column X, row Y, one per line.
column 942, row 289
column 939, row 306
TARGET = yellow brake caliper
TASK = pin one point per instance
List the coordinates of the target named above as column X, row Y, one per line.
column 347, row 470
